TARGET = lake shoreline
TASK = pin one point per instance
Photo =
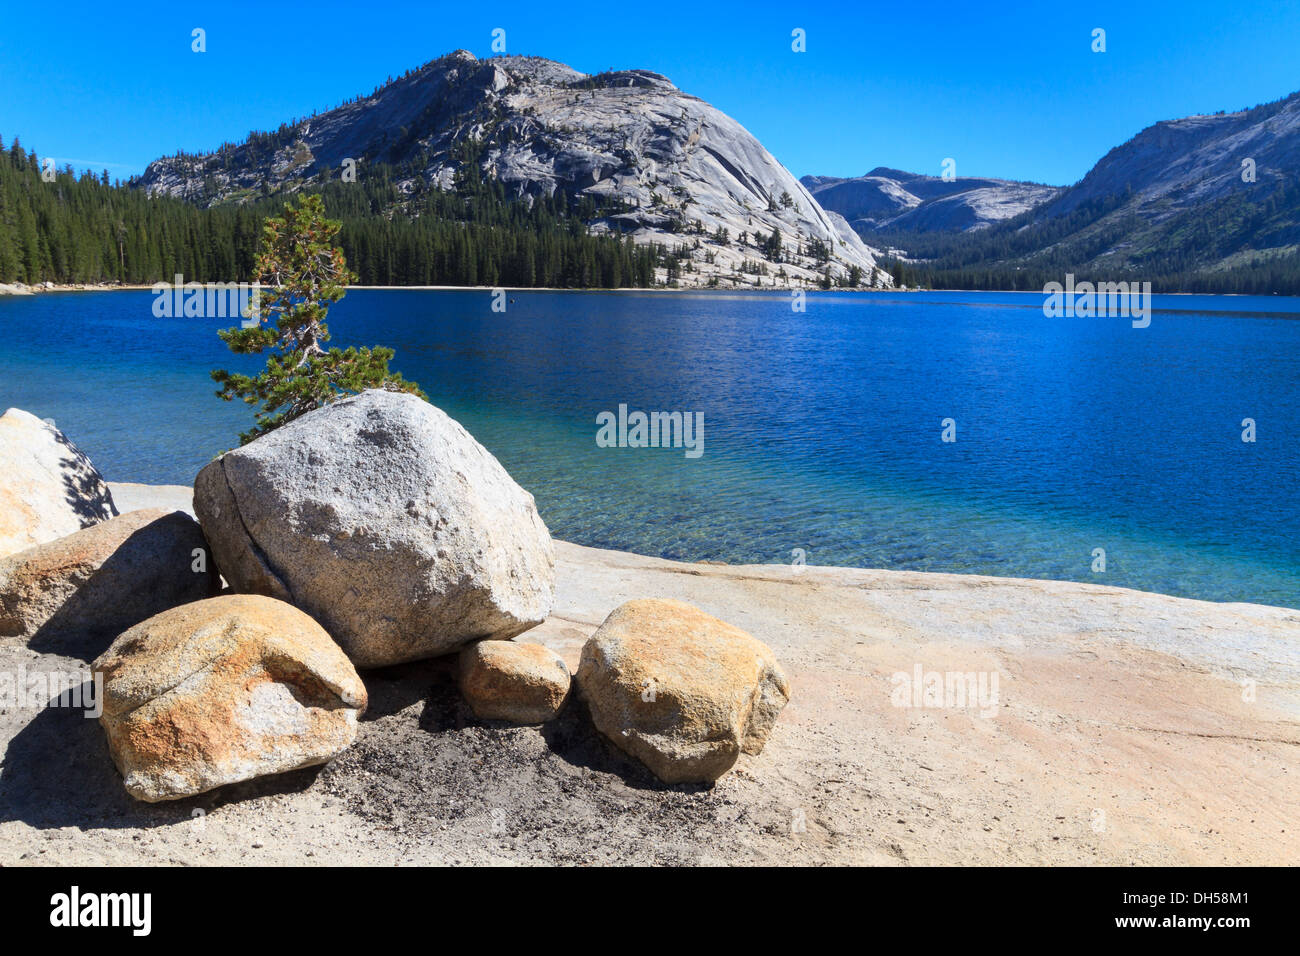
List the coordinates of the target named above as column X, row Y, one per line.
column 19, row 289
column 1069, row 767
column 22, row 290
column 132, row 496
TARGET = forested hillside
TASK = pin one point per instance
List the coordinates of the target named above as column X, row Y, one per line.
column 1247, row 243
column 84, row 228
column 1207, row 203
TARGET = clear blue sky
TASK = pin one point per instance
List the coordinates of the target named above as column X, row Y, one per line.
column 1008, row 89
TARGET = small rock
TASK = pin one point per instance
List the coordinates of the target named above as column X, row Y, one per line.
column 680, row 690
column 93, row 584
column 521, row 683
column 48, row 488
column 224, row 690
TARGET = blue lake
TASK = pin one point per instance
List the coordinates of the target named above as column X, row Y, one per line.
column 822, row 428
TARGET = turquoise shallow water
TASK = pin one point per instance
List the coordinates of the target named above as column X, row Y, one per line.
column 822, row 428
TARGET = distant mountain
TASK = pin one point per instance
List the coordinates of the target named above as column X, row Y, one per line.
column 1205, row 203
column 638, row 155
column 1183, row 164
column 892, row 200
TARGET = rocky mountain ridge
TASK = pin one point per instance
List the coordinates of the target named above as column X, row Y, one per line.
column 654, row 163
column 1194, row 160
column 1207, row 203
column 891, row 199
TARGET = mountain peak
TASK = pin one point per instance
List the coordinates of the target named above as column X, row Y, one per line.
column 665, row 166
column 1207, row 201
column 896, row 200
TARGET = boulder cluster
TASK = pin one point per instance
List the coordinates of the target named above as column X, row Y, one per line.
column 370, row 533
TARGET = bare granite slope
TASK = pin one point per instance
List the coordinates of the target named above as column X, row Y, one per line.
column 1207, row 199
column 890, row 199
column 680, row 168
column 1184, row 163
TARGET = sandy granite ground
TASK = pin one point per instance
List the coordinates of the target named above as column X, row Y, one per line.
column 1125, row 732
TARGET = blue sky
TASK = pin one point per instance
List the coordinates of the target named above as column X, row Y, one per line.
column 1008, row 89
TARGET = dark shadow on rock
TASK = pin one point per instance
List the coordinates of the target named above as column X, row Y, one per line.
column 574, row 738
column 294, row 781
column 82, row 485
column 393, row 689
column 571, row 736
column 57, row 772
column 444, row 710
column 128, row 588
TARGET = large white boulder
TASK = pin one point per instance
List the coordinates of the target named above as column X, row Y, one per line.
column 48, row 488
column 385, row 520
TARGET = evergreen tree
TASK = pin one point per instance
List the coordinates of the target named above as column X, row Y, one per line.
column 77, row 229
column 302, row 274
